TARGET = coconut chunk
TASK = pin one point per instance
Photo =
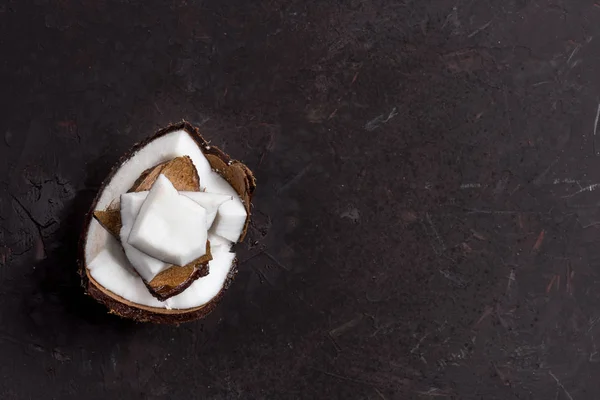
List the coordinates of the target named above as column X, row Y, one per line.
column 230, row 220
column 147, row 266
column 210, row 202
column 232, row 214
column 204, row 289
column 109, row 269
column 170, row 227
column 110, row 220
column 180, row 171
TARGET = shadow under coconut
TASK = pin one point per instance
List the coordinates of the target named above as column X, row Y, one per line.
column 58, row 305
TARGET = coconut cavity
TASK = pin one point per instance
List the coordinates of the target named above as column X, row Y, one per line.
column 108, row 265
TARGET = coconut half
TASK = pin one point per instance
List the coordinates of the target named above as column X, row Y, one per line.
column 121, row 214
column 107, row 274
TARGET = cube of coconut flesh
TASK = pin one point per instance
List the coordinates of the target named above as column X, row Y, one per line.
column 147, row 266
column 169, row 227
column 211, row 203
column 230, row 221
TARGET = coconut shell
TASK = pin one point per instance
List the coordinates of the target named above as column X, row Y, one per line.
column 124, row 308
column 237, row 175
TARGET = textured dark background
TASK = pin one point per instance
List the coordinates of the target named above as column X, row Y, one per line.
column 426, row 222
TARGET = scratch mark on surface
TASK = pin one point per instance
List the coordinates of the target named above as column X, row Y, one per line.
column 262, row 277
column 481, row 28
column 575, row 50
column 453, row 278
column 477, row 211
column 340, row 330
column 576, row 63
column 589, row 188
column 520, row 222
column 378, row 121
column 453, row 17
column 294, row 179
column 540, row 83
column 345, row 378
column 570, row 275
column 507, row 111
column 5, row 253
column 478, row 235
column 501, row 185
column 515, row 189
column 595, row 223
column 594, row 351
column 549, row 286
column 419, row 342
column 486, row 313
column 276, row 261
column 434, row 392
column 204, row 121
column 435, row 232
column 538, row 242
column 502, row 377
column 380, row 394
column 567, row 181
column 335, row 344
column 596, row 128
column 560, row 385
column 268, row 148
column 538, row 181
column 252, row 256
column 593, row 323
column 471, row 185
column 511, row 279
column 466, row 248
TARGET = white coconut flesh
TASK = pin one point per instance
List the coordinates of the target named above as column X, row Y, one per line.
column 230, row 220
column 170, row 227
column 106, row 261
column 147, row 266
column 210, row 201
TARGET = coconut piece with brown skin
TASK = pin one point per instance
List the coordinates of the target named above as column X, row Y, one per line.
column 110, row 220
column 183, row 175
column 123, row 296
column 180, row 171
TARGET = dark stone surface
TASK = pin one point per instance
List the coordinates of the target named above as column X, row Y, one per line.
column 426, row 226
